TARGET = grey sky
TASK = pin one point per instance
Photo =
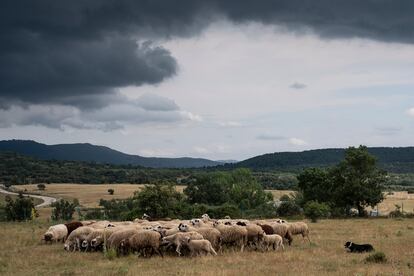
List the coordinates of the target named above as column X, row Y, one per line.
column 215, row 80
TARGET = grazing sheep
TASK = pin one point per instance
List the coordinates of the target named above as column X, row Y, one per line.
column 56, row 233
column 254, row 233
column 77, row 236
column 232, row 234
column 73, row 225
column 212, row 235
column 274, row 241
column 143, row 240
column 166, row 232
column 98, row 242
column 114, row 240
column 179, row 239
column 266, row 228
column 200, row 246
column 282, row 229
column 299, row 228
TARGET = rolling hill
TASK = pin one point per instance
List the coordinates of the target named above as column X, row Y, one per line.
column 99, row 154
column 393, row 159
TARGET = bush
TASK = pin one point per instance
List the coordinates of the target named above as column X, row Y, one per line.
column 111, row 191
column 63, row 210
column 20, row 209
column 288, row 208
column 285, row 198
column 377, row 257
column 315, row 210
column 41, row 186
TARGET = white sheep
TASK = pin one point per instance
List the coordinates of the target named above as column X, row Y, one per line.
column 299, row 228
column 77, row 236
column 179, row 239
column 142, row 240
column 56, row 233
column 232, row 234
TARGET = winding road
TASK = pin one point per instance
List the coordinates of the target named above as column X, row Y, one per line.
column 47, row 200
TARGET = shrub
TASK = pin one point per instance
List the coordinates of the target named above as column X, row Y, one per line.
column 19, row 209
column 376, row 257
column 111, row 191
column 63, row 210
column 41, row 186
column 285, row 197
column 288, row 208
column 315, row 210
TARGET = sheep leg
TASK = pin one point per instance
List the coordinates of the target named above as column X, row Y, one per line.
column 159, row 252
column 178, row 249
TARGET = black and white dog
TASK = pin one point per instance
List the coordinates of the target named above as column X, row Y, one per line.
column 358, row 248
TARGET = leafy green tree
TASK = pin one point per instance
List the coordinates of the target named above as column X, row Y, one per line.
column 357, row 180
column 315, row 210
column 19, row 209
column 315, row 184
column 158, row 201
column 288, row 208
column 63, row 209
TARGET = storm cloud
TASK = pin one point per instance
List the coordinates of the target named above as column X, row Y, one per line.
column 78, row 53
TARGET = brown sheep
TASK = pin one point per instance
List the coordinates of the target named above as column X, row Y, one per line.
column 72, row 226
column 266, row 228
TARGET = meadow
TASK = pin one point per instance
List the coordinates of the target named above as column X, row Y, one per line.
column 24, row 254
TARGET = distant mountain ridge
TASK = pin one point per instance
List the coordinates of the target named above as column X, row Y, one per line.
column 393, row 159
column 99, row 154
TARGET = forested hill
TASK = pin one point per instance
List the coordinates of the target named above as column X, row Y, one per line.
column 392, row 159
column 99, row 154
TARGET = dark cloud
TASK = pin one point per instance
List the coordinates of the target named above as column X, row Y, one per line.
column 297, row 85
column 78, row 52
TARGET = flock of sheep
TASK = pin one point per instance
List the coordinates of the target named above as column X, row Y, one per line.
column 197, row 236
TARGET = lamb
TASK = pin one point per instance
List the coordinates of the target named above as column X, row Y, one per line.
column 210, row 234
column 76, row 237
column 56, row 233
column 143, row 240
column 282, row 230
column 73, row 225
column 266, row 228
column 274, row 241
column 199, row 246
column 179, row 238
column 299, row 228
column 232, row 234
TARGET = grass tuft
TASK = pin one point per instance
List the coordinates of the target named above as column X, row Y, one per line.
column 377, row 257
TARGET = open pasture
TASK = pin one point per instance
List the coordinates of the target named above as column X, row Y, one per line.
column 24, row 254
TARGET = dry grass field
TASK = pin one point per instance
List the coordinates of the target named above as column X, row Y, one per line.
column 3, row 199
column 87, row 194
column 24, row 254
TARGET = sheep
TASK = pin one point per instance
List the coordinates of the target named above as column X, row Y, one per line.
column 73, row 225
column 210, row 234
column 101, row 224
column 282, row 230
column 199, row 246
column 76, row 237
column 114, row 240
column 92, row 236
column 266, row 228
column 205, row 218
column 299, row 228
column 166, row 232
column 142, row 240
column 99, row 240
column 274, row 241
column 232, row 234
column 254, row 234
column 179, row 238
column 56, row 233
column 87, row 222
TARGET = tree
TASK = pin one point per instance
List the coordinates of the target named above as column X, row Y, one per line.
column 315, row 210
column 357, row 181
column 19, row 209
column 41, row 186
column 111, row 191
column 315, row 184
